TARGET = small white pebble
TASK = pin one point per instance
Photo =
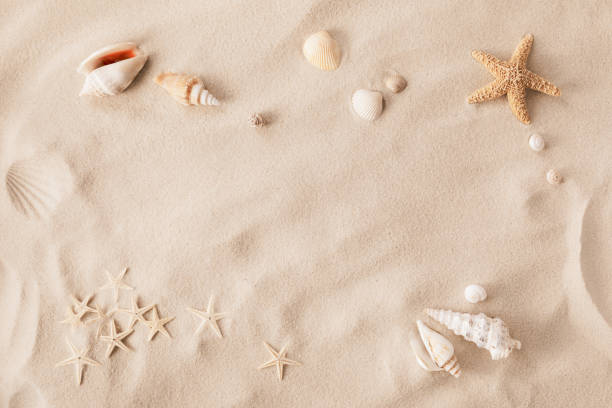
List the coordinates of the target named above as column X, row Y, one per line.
column 536, row 142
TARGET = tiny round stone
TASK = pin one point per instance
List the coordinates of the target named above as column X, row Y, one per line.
column 256, row 120
column 536, row 142
column 553, row 177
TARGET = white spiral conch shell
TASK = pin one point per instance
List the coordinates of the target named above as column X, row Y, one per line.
column 475, row 293
column 186, row 89
column 367, row 104
column 36, row 186
column 439, row 351
column 486, row 332
column 110, row 70
column 322, row 51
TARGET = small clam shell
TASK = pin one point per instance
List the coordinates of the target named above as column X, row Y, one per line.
column 110, row 70
column 322, row 51
column 395, row 82
column 367, row 104
column 536, row 142
column 554, row 177
column 475, row 293
column 186, row 89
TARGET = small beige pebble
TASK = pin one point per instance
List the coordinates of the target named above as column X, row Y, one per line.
column 554, row 177
column 256, row 121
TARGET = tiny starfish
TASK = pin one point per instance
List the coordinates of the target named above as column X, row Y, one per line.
column 136, row 312
column 512, row 78
column 79, row 359
column 73, row 318
column 157, row 325
column 82, row 305
column 114, row 339
column 116, row 283
column 279, row 360
column 102, row 317
column 209, row 317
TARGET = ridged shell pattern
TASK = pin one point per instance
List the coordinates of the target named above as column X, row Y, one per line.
column 440, row 349
column 486, row 332
column 322, row 51
column 367, row 104
column 186, row 89
column 36, row 186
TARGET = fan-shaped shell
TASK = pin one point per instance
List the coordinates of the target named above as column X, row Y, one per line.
column 395, row 82
column 367, row 104
column 486, row 332
column 440, row 349
column 186, row 89
column 322, row 51
column 110, row 70
column 36, row 186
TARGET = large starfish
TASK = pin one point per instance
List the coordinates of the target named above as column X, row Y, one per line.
column 512, row 78
column 136, row 313
column 209, row 317
column 157, row 325
column 114, row 339
column 116, row 283
column 79, row 359
column 279, row 360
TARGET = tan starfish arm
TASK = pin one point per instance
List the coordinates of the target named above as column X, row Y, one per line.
column 267, row 364
column 521, row 53
column 537, row 83
column 493, row 64
column 492, row 90
column 518, row 104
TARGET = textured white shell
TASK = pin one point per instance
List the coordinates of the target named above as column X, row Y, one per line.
column 536, row 142
column 440, row 349
column 475, row 293
column 322, row 51
column 36, row 186
column 367, row 104
column 113, row 78
column 395, row 82
column 554, row 177
column 486, row 332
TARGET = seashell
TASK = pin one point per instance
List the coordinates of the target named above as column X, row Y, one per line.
column 395, row 82
column 367, row 104
column 256, row 120
column 420, row 353
column 554, row 177
column 536, row 142
column 186, row 89
column 486, row 332
column 322, row 51
column 475, row 293
column 439, row 349
column 36, row 186
column 110, row 70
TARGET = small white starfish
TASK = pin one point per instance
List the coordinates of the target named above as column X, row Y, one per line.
column 279, row 360
column 102, row 317
column 82, row 305
column 79, row 359
column 209, row 317
column 116, row 283
column 114, row 339
column 157, row 325
column 136, row 312
column 72, row 318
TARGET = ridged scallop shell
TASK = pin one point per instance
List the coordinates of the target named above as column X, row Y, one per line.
column 440, row 350
column 322, row 51
column 486, row 332
column 367, row 104
column 186, row 89
column 110, row 70
column 475, row 293
column 36, row 186
column 395, row 82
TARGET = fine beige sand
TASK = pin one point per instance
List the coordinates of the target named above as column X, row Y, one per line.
column 320, row 231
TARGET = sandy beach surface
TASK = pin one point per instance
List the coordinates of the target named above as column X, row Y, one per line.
column 320, row 232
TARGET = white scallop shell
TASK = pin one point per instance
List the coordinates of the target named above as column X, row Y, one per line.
column 367, row 104
column 110, row 70
column 536, row 142
column 322, row 51
column 486, row 332
column 475, row 293
column 554, row 177
column 36, row 186
column 395, row 82
column 440, row 350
